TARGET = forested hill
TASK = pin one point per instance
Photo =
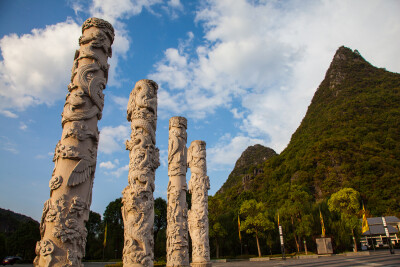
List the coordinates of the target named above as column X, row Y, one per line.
column 246, row 166
column 10, row 220
column 18, row 235
column 349, row 137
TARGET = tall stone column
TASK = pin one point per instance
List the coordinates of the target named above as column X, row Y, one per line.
column 62, row 227
column 177, row 226
column 138, row 201
column 199, row 185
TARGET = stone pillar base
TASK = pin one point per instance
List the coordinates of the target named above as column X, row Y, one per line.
column 324, row 245
column 201, row 264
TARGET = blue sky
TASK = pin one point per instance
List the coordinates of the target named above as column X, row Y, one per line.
column 242, row 72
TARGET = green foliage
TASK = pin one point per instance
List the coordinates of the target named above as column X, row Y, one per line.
column 23, row 241
column 18, row 235
column 160, row 225
column 295, row 214
column 345, row 201
column 94, row 243
column 112, row 217
column 257, row 221
column 247, row 163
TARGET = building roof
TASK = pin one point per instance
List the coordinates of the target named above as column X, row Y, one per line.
column 380, row 230
column 378, row 220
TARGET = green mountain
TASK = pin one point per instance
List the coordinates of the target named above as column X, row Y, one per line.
column 349, row 137
column 248, row 165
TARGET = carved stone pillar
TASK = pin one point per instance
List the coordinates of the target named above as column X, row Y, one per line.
column 62, row 227
column 177, row 226
column 199, row 185
column 138, row 201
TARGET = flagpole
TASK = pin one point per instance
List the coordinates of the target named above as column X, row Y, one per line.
column 240, row 236
column 105, row 240
column 365, row 225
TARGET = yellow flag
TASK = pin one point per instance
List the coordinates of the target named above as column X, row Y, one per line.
column 322, row 224
column 365, row 226
column 240, row 236
column 105, row 236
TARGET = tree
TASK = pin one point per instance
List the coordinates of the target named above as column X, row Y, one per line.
column 296, row 209
column 94, row 243
column 257, row 221
column 346, row 203
column 217, row 230
column 115, row 229
column 160, row 215
column 160, row 225
column 23, row 241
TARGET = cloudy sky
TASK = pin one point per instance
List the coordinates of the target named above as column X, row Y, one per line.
column 242, row 72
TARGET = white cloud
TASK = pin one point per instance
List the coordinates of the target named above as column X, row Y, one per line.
column 112, row 139
column 164, row 158
column 271, row 57
column 122, row 102
column 23, row 126
column 228, row 150
column 8, row 145
column 36, row 67
column 119, row 9
column 175, row 4
column 121, row 170
column 237, row 114
column 8, row 114
column 45, row 156
column 107, row 165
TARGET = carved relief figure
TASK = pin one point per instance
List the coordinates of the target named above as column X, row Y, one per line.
column 138, row 201
column 199, row 185
column 62, row 227
column 177, row 227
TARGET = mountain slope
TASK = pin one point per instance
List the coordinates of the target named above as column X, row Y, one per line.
column 349, row 137
column 10, row 220
column 247, row 163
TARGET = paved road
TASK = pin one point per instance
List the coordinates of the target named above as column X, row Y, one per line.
column 379, row 258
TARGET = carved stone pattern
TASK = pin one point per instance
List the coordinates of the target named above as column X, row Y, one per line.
column 199, row 185
column 137, row 197
column 62, row 226
column 177, row 226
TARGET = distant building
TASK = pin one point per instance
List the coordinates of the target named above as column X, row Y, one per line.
column 377, row 233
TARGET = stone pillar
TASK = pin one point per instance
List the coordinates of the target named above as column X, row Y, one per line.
column 199, row 185
column 177, row 227
column 138, row 201
column 62, row 227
